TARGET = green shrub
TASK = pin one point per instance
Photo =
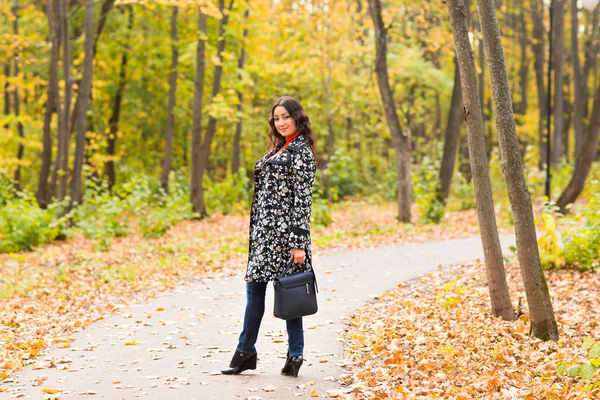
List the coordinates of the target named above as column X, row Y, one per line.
column 167, row 209
column 223, row 196
column 425, row 184
column 585, row 370
column 321, row 212
column 343, row 176
column 23, row 225
column 102, row 216
column 581, row 238
column 462, row 193
column 582, row 246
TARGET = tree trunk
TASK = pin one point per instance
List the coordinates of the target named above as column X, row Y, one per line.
column 235, row 165
column 568, row 112
column 592, row 47
column 113, row 123
column 168, row 158
column 455, row 116
column 401, row 142
column 539, row 53
column 44, row 196
column 196, row 176
column 17, row 101
column 211, row 128
column 85, row 93
column 583, row 163
column 524, row 68
column 543, row 323
column 499, row 295
column 107, row 5
column 559, row 53
column 61, row 165
column 6, row 91
column 579, row 100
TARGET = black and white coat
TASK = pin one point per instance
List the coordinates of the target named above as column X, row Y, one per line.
column 280, row 212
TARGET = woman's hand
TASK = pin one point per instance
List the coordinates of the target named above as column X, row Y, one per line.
column 298, row 256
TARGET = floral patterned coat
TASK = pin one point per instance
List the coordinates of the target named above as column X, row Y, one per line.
column 280, row 213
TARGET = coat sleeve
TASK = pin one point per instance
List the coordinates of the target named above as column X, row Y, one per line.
column 303, row 177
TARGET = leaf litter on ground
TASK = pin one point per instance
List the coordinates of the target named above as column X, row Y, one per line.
column 435, row 337
column 51, row 293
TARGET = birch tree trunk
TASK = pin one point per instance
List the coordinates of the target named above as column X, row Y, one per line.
column 401, row 142
column 543, row 322
column 499, row 295
column 168, row 158
column 85, row 93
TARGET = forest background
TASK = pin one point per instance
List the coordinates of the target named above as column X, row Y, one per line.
column 123, row 118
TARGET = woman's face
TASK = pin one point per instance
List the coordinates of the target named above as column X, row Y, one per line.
column 283, row 121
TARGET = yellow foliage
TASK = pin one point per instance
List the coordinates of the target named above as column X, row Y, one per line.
column 550, row 243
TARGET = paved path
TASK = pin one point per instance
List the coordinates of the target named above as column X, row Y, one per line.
column 186, row 336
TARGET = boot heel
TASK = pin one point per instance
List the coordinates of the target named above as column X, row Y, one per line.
column 240, row 362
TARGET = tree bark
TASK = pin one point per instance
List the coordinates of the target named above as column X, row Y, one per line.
column 107, row 5
column 17, row 101
column 559, row 53
column 583, row 163
column 168, row 158
column 579, row 100
column 85, row 93
column 235, row 164
column 592, row 47
column 455, row 116
column 6, row 91
column 44, row 196
column 211, row 128
column 539, row 60
column 61, row 165
column 197, row 171
column 113, row 123
column 499, row 295
column 543, row 322
column 401, row 142
column 524, row 67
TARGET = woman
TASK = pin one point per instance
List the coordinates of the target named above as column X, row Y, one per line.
column 279, row 227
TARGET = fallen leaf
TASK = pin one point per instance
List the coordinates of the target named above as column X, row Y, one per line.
column 132, row 343
column 269, row 388
column 51, row 390
column 313, row 393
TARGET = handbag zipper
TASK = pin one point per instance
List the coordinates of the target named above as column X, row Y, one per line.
column 307, row 292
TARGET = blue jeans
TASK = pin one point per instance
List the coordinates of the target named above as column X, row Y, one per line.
column 255, row 309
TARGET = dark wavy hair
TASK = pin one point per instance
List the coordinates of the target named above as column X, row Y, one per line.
column 294, row 108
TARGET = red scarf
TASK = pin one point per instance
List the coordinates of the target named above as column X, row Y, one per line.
column 289, row 139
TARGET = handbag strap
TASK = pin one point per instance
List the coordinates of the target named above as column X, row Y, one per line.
column 288, row 267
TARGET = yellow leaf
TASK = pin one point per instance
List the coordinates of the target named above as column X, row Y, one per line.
column 313, row 393
column 51, row 390
column 132, row 342
column 160, row 309
column 323, row 361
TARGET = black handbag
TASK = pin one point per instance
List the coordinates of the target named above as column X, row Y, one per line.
column 295, row 294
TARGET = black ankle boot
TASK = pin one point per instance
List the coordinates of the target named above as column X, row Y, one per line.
column 292, row 366
column 240, row 362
